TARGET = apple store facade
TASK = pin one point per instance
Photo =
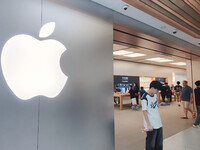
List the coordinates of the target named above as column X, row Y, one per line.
column 57, row 74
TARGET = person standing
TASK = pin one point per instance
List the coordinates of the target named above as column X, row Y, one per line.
column 168, row 92
column 178, row 89
column 136, row 90
column 187, row 98
column 142, row 91
column 163, row 93
column 133, row 98
column 197, row 100
column 152, row 121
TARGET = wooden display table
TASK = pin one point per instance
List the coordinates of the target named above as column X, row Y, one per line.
column 121, row 95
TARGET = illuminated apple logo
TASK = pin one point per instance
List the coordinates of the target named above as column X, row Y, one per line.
column 32, row 67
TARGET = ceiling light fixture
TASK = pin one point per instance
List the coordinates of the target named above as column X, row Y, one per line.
column 165, row 60
column 122, row 52
column 135, row 55
column 159, row 59
column 179, row 63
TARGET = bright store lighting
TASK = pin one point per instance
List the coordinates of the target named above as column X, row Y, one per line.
column 135, row 55
column 165, row 60
column 154, row 59
column 122, row 52
column 179, row 63
column 159, row 59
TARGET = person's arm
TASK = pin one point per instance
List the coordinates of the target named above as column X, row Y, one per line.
column 144, row 111
column 191, row 98
column 149, row 126
column 127, row 93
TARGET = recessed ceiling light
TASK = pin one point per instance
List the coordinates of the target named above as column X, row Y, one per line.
column 165, row 60
column 135, row 55
column 179, row 63
column 122, row 52
column 154, row 59
column 159, row 59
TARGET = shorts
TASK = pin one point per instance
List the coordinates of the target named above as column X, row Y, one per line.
column 178, row 94
column 134, row 102
column 168, row 95
column 186, row 104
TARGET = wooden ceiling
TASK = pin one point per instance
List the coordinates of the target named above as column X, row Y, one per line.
column 133, row 41
column 181, row 14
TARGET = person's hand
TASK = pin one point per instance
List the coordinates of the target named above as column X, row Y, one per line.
column 150, row 127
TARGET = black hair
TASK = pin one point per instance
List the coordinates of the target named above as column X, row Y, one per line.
column 130, row 86
column 178, row 82
column 197, row 83
column 166, row 83
column 142, row 87
column 156, row 85
column 116, row 86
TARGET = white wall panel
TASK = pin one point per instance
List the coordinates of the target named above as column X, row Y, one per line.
column 138, row 69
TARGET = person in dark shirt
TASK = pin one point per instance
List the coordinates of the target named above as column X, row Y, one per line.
column 168, row 92
column 136, row 89
column 142, row 91
column 117, row 90
column 187, row 99
column 178, row 89
column 197, row 100
column 163, row 92
column 133, row 98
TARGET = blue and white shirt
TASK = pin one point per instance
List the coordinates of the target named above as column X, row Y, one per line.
column 150, row 104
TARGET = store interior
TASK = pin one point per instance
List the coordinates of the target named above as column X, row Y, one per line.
column 140, row 59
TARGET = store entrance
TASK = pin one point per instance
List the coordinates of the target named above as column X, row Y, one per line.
column 138, row 60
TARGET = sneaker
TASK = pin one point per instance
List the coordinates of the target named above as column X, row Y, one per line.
column 195, row 126
column 134, row 108
column 138, row 106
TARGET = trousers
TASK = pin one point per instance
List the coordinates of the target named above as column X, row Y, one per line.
column 154, row 139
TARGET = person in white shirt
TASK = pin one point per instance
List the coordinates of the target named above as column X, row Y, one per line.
column 152, row 121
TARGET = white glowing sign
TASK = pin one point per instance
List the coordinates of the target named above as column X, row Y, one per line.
column 32, row 67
